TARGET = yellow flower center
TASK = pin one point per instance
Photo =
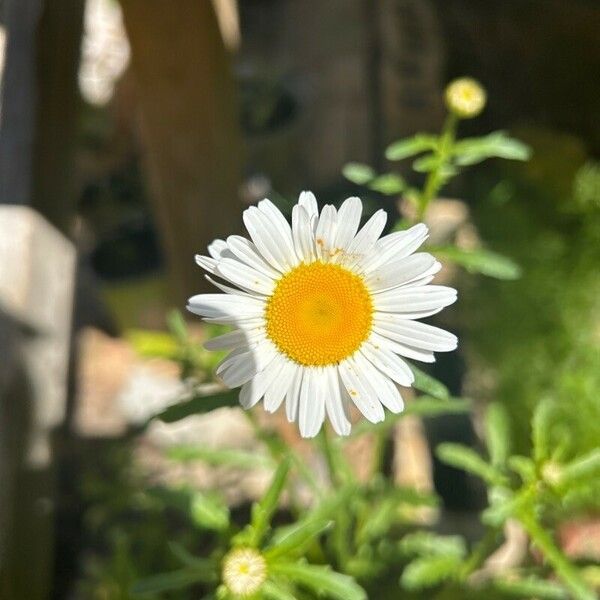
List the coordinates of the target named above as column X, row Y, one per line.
column 319, row 314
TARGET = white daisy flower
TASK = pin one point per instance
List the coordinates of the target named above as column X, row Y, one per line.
column 323, row 312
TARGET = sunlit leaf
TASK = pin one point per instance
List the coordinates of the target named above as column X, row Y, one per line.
column 532, row 587
column 321, row 580
column 389, row 184
column 470, row 151
column 358, row 173
column 479, row 261
column 462, row 457
column 209, row 512
column 291, row 538
column 429, row 571
column 425, row 543
column 497, row 434
column 411, row 146
column 429, row 385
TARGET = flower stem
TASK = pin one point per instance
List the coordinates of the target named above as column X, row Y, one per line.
column 435, row 179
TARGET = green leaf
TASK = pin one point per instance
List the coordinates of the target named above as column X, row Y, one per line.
column 479, row 261
column 428, row 572
column 461, row 457
column 429, row 385
column 498, row 434
column 290, row 539
column 470, row 151
column 198, row 405
column 411, row 146
column 425, row 543
column 584, row 467
column 426, row 163
column 209, row 512
column 389, row 184
column 321, row 580
column 220, row 456
column 532, row 587
column 183, row 556
column 264, row 509
column 523, row 466
column 426, row 406
column 175, row 580
column 275, row 591
column 358, row 173
column 177, row 326
column 540, row 429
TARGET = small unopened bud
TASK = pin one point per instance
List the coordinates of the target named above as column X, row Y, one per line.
column 244, row 571
column 465, row 97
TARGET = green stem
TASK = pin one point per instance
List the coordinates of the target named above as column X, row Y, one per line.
column 435, row 180
column 561, row 565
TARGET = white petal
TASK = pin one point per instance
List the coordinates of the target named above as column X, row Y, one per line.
column 308, row 201
column 387, row 392
column 387, row 362
column 348, row 221
column 235, row 339
column 418, row 335
column 360, row 391
column 281, row 231
column 365, row 239
column 336, row 404
column 279, row 386
column 325, row 233
column 303, row 234
column 414, row 299
column 265, row 236
column 235, row 291
column 225, row 305
column 311, row 411
column 207, row 263
column 394, row 246
column 244, row 276
column 402, row 349
column 247, row 252
column 292, row 397
column 253, row 390
column 216, row 248
column 238, row 368
column 401, row 272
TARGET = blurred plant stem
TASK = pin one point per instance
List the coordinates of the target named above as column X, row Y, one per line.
column 437, row 177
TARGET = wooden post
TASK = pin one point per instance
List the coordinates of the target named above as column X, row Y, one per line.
column 189, row 122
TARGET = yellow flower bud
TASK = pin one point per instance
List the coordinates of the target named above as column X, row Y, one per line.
column 465, row 97
column 244, row 571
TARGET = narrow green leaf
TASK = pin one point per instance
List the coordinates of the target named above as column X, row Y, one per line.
column 273, row 590
column 540, row 429
column 358, row 173
column 532, row 587
column 220, row 456
column 183, row 556
column 209, row 512
column 470, row 151
column 177, row 326
column 426, row 406
column 290, row 539
column 429, row 385
column 389, row 184
column 175, row 580
column 321, row 580
column 584, row 467
column 425, row 543
column 411, row 146
column 480, row 261
column 523, row 466
column 497, row 434
column 198, row 405
column 424, row 573
column 264, row 509
column 461, row 457
column 426, row 163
